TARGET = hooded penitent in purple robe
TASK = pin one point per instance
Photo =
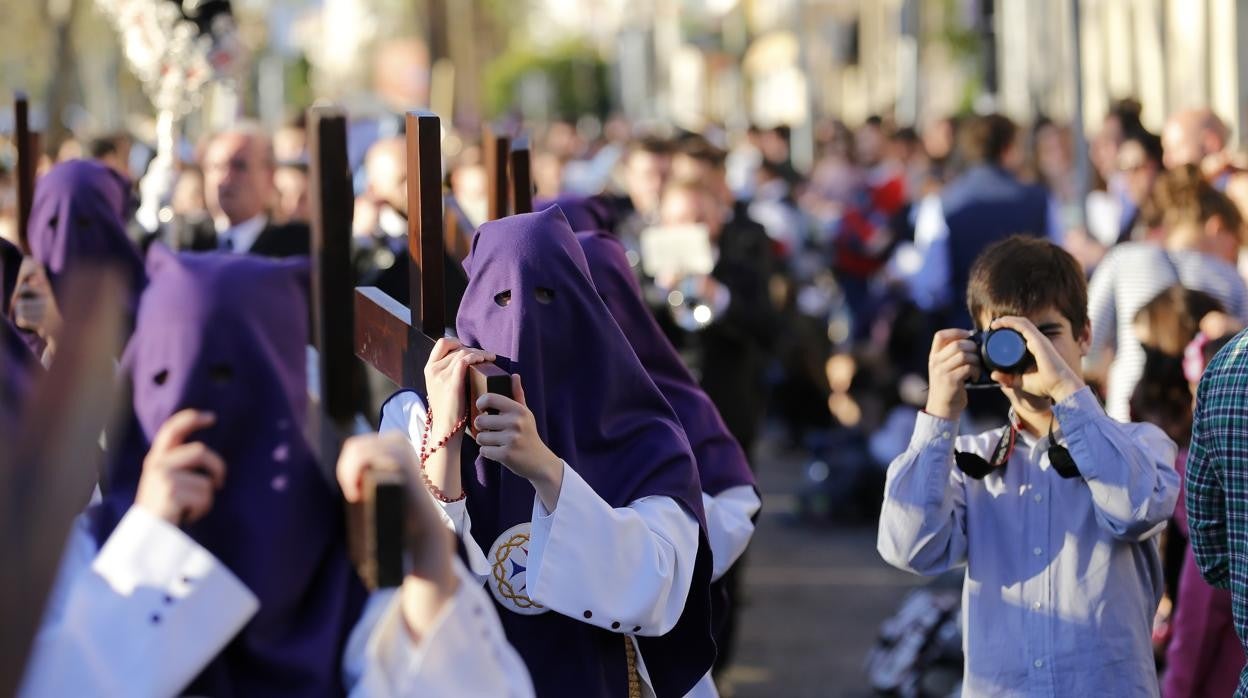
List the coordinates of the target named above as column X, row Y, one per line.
column 78, row 218
column 582, row 212
column 530, row 300
column 227, row 334
column 721, row 462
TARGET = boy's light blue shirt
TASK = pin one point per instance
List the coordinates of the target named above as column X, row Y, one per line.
column 1063, row 575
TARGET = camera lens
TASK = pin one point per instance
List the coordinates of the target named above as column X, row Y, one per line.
column 1005, row 350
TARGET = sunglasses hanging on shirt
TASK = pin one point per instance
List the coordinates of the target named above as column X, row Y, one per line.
column 974, row 465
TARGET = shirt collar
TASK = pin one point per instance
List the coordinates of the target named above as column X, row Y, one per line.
column 1031, row 441
column 244, row 235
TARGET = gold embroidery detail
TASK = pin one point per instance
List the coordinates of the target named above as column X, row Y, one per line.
column 505, row 589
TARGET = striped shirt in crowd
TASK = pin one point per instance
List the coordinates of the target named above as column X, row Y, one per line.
column 1130, row 276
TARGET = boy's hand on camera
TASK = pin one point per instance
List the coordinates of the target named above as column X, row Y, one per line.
column 1052, row 377
column 954, row 360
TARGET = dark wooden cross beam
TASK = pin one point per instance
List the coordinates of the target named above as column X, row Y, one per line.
column 394, row 339
column 27, row 161
column 495, row 149
column 375, row 525
column 47, row 468
column 520, row 169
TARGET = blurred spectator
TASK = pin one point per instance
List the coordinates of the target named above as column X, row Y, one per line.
column 776, row 210
column 548, row 171
column 646, row 170
column 742, row 161
column 1122, row 118
column 729, row 351
column 1202, row 230
column 835, row 178
column 240, row 195
column 1139, row 164
column 1198, row 137
column 290, row 181
column 1203, row 656
column 470, row 185
column 113, row 150
column 985, row 204
column 940, row 139
column 290, row 142
column 1053, row 162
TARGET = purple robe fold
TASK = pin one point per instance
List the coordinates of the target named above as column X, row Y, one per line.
column 721, row 462
column 531, row 301
column 227, row 334
column 77, row 218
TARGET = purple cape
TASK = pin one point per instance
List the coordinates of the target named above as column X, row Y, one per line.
column 227, row 333
column 721, row 462
column 582, row 212
column 78, row 216
column 530, row 300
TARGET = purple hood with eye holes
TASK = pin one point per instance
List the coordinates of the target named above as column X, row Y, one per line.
column 530, row 300
column 227, row 334
column 78, row 216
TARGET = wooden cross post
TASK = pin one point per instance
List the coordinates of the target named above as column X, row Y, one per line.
column 520, row 169
column 25, row 141
column 375, row 525
column 397, row 340
column 496, row 148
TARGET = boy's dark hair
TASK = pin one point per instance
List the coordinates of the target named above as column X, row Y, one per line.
column 1022, row 275
column 987, row 138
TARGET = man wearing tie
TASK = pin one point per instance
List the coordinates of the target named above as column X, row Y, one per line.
column 238, row 166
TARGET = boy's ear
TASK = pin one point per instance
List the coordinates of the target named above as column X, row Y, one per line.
column 1085, row 338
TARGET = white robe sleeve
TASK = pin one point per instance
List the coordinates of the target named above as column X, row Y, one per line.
column 627, row 570
column 464, row 652
column 730, row 524
column 143, row 617
column 405, row 413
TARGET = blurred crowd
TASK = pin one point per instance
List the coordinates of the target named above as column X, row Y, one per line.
column 816, row 317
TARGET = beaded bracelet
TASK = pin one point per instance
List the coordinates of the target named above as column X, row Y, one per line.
column 437, row 493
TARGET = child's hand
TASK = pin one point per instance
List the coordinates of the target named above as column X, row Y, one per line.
column 510, row 437
column 953, row 361
column 179, row 479
column 1052, row 377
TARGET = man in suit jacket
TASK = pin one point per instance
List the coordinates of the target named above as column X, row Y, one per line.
column 239, row 167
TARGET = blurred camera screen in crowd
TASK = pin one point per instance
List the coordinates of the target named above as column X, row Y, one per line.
column 675, row 251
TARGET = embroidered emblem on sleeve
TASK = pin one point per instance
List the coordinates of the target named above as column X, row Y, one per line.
column 509, row 557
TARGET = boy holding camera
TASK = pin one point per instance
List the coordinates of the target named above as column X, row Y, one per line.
column 1055, row 515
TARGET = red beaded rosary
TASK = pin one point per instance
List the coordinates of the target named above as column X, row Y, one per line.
column 425, row 454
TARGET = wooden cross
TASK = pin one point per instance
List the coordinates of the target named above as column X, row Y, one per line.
column 394, row 339
column 521, row 177
column 25, row 141
column 43, row 481
column 496, row 148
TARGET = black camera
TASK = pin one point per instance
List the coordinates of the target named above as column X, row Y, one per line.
column 1003, row 350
